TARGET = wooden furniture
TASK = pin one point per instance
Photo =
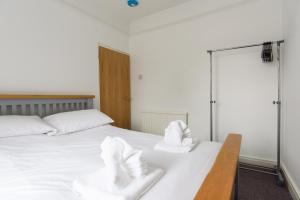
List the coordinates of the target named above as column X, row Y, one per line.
column 43, row 105
column 221, row 182
column 115, row 86
column 30, row 96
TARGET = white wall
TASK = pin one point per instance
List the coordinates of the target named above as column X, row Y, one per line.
column 291, row 95
column 49, row 47
column 245, row 89
column 169, row 50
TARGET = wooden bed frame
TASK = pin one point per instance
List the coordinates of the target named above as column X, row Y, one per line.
column 43, row 105
column 221, row 182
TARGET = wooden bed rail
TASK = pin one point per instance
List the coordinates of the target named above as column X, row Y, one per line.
column 220, row 181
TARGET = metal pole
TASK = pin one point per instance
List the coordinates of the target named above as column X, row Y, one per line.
column 210, row 97
column 245, row 46
column 280, row 178
column 278, row 107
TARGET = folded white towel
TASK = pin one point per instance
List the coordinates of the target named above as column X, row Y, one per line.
column 122, row 162
column 177, row 139
column 163, row 146
column 177, row 133
column 93, row 186
column 113, row 151
column 125, row 176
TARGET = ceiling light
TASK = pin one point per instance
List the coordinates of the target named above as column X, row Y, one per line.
column 132, row 3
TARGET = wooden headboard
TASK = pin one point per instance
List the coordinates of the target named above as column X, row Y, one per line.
column 43, row 105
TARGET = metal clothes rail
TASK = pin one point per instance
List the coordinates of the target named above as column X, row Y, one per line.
column 278, row 171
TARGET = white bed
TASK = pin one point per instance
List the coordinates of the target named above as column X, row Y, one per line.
column 43, row 167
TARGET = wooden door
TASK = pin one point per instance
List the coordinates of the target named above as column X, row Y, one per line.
column 115, row 86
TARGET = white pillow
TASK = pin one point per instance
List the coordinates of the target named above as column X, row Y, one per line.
column 73, row 121
column 17, row 125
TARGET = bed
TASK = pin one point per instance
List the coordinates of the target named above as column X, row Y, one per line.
column 40, row 166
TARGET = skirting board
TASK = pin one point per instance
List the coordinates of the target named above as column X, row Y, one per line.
column 257, row 161
column 292, row 187
column 294, row 190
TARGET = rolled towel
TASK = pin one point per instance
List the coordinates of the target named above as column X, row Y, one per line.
column 187, row 134
column 184, row 127
column 187, row 141
column 136, row 165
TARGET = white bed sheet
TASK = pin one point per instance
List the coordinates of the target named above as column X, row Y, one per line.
column 43, row 167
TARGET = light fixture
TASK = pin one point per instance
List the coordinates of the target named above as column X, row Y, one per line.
column 132, row 3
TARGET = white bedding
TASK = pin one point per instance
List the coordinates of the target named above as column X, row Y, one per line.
column 42, row 167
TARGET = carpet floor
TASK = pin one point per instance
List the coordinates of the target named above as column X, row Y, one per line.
column 259, row 186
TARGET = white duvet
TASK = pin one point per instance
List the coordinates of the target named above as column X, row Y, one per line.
column 44, row 167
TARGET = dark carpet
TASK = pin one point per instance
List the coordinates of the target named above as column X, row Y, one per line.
column 259, row 186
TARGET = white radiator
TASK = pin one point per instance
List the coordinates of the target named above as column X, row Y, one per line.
column 156, row 122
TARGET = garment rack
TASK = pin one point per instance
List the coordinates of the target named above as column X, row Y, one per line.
column 278, row 172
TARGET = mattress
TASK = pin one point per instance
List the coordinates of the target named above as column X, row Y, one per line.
column 43, row 167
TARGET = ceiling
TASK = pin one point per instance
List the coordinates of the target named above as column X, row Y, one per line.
column 117, row 13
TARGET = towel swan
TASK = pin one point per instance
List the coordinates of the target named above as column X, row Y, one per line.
column 177, row 139
column 125, row 176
